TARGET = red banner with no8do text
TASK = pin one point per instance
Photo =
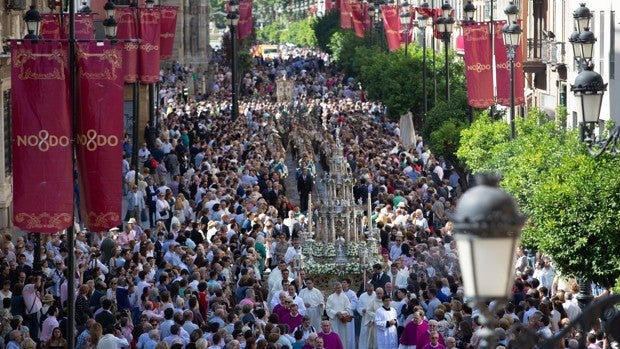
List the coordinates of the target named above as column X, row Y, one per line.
column 98, row 134
column 41, row 126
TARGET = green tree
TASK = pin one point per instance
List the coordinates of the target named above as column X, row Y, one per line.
column 324, row 27
column 572, row 200
column 443, row 125
column 300, row 33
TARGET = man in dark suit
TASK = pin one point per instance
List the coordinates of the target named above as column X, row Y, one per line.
column 105, row 317
column 151, row 200
column 269, row 194
column 304, row 187
column 379, row 278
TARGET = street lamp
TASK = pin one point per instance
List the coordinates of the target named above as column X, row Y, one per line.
column 445, row 26
column 582, row 40
column 422, row 23
column 405, row 19
column 512, row 37
column 589, row 88
column 487, row 229
column 33, row 23
column 469, row 10
column 110, row 25
column 233, row 22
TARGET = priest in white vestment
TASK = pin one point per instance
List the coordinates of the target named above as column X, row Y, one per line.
column 338, row 310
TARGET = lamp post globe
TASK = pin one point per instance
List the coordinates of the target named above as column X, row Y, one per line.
column 582, row 16
column 446, row 10
column 586, row 44
column 487, row 226
column 512, row 12
column 33, row 22
column 588, row 89
column 109, row 8
column 469, row 10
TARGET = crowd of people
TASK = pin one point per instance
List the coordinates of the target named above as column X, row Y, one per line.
column 204, row 257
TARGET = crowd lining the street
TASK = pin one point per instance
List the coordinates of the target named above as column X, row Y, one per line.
column 204, row 257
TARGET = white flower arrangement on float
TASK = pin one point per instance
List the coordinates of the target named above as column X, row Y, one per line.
column 321, row 249
column 353, row 249
column 334, row 269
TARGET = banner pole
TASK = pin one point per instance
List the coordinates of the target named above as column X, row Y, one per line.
column 71, row 231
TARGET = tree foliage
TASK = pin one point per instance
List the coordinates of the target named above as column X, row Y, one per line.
column 443, row 125
column 299, row 33
column 572, row 200
column 324, row 27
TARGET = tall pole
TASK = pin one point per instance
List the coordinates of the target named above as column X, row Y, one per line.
column 446, row 41
column 37, row 268
column 70, row 231
column 434, row 56
column 424, row 72
column 406, row 38
column 511, row 56
column 235, row 97
column 136, row 118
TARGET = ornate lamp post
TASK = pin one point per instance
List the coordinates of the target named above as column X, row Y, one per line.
column 405, row 19
column 33, row 24
column 512, row 37
column 445, row 26
column 233, row 22
column 422, row 23
column 487, row 227
column 589, row 89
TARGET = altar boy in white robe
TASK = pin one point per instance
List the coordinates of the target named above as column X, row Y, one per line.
column 338, row 310
column 386, row 325
column 351, row 340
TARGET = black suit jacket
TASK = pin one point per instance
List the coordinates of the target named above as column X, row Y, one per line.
column 105, row 318
column 304, row 185
column 380, row 281
column 151, row 195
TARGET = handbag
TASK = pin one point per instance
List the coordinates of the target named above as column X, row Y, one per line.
column 143, row 215
column 128, row 215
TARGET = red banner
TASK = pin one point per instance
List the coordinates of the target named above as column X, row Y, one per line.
column 478, row 64
column 84, row 26
column 99, row 133
column 50, row 26
column 41, row 126
column 245, row 19
column 345, row 14
column 502, row 70
column 168, row 29
column 392, row 26
column 356, row 18
column 366, row 18
column 127, row 28
column 148, row 52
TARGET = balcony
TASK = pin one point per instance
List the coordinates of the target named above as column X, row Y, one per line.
column 533, row 63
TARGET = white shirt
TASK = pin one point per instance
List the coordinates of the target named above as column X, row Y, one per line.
column 109, row 341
